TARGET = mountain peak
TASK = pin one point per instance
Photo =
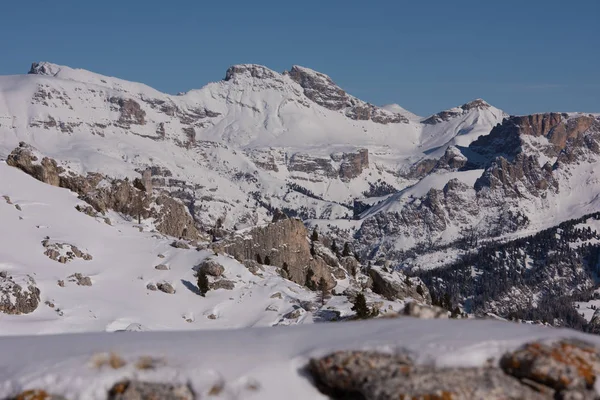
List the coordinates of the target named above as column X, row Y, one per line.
column 477, row 103
column 44, row 68
column 249, row 71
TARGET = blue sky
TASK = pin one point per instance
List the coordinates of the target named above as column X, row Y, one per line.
column 522, row 56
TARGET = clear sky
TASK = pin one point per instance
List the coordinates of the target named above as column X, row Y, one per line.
column 522, row 56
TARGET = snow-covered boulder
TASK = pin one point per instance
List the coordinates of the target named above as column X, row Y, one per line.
column 395, row 285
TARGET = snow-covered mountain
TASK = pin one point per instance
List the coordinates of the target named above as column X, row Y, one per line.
column 219, row 167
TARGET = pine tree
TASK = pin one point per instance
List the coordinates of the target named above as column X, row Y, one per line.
column 360, row 307
column 346, row 251
column 203, row 286
column 309, row 282
column 420, row 290
column 259, row 259
column 323, row 291
column 267, row 260
column 334, row 247
column 315, row 235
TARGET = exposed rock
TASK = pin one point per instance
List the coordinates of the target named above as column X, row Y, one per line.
column 353, row 164
column 413, row 309
column 103, row 193
column 295, row 314
column 594, row 325
column 397, row 286
column 211, row 267
column 137, row 390
column 80, row 279
column 63, row 252
column 36, row 394
column 18, row 295
column 452, row 160
column 285, row 243
column 322, row 90
column 222, row 284
column 151, row 286
column 351, row 265
column 165, row 287
column 565, row 365
column 278, row 215
column 312, row 165
column 131, row 112
column 179, row 244
column 249, row 70
column 162, row 267
column 276, row 295
column 377, row 376
column 447, row 115
column 254, row 267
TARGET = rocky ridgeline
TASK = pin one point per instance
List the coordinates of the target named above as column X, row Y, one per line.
column 565, row 369
column 498, row 195
column 322, row 90
column 135, row 199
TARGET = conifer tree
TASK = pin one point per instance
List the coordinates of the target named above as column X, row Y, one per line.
column 346, row 251
column 203, row 286
column 315, row 235
column 309, row 282
column 360, row 307
column 323, row 291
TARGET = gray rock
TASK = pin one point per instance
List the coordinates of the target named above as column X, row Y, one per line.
column 396, row 286
column 178, row 244
column 137, row 390
column 151, row 286
column 18, row 295
column 376, row 376
column 165, row 287
column 162, row 267
column 211, row 267
column 564, row 366
column 80, row 279
column 254, row 267
column 222, row 284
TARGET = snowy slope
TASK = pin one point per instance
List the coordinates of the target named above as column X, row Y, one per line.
column 249, row 363
column 122, row 266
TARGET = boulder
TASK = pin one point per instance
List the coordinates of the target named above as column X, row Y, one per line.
column 254, row 267
column 180, row 244
column 397, row 286
column 138, row 390
column 376, row 376
column 211, row 267
column 165, row 287
column 222, row 284
column 18, row 295
column 80, row 279
column 566, row 365
column 162, row 267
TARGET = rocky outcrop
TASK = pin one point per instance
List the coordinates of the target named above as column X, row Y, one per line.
column 80, row 279
column 211, row 267
column 397, row 286
column 594, row 325
column 131, row 112
column 353, row 164
column 165, row 287
column 322, row 90
column 453, row 160
column 18, row 295
column 283, row 244
column 249, row 70
column 138, row 390
column 63, row 252
column 447, row 115
column 103, row 193
column 350, row 164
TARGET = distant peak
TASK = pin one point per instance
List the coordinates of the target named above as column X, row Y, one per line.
column 249, row 71
column 477, row 103
column 44, row 68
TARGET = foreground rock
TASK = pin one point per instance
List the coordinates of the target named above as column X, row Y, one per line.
column 417, row 310
column 136, row 390
column 564, row 366
column 371, row 375
column 567, row 369
column 18, row 295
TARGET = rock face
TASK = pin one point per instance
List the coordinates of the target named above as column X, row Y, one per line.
column 594, row 325
column 18, row 295
column 376, row 376
column 397, row 286
column 322, row 90
column 172, row 217
column 285, row 244
column 137, row 390
column 447, row 115
column 350, row 164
